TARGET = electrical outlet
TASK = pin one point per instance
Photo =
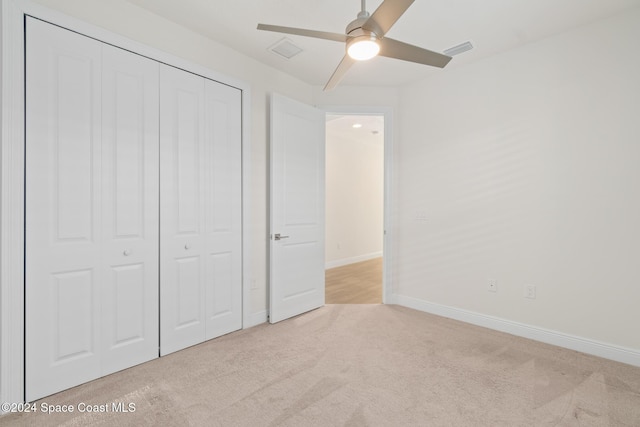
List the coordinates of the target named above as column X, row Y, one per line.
column 492, row 285
column 254, row 284
column 530, row 291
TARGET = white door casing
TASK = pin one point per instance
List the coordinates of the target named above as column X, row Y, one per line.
column 91, row 194
column 297, row 208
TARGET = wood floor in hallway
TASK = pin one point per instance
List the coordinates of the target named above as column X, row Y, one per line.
column 358, row 283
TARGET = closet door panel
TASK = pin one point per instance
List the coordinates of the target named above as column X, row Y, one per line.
column 223, row 234
column 182, row 183
column 62, row 209
column 130, row 157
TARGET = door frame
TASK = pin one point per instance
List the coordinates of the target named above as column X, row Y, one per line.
column 12, row 146
column 387, row 249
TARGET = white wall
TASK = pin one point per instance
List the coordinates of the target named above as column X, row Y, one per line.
column 354, row 194
column 133, row 22
column 357, row 96
column 527, row 166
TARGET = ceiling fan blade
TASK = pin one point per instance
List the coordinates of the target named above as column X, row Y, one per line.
column 302, row 32
column 340, row 72
column 395, row 49
column 386, row 15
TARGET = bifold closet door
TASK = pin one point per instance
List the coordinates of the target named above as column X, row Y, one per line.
column 182, row 163
column 223, row 210
column 91, row 209
column 200, row 248
column 63, row 218
column 130, row 204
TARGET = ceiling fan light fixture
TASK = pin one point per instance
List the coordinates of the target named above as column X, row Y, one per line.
column 364, row 38
column 364, row 47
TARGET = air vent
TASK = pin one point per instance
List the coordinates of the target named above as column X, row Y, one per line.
column 457, row 50
column 285, row 48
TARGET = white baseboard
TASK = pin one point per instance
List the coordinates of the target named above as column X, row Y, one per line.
column 352, row 260
column 584, row 345
column 255, row 319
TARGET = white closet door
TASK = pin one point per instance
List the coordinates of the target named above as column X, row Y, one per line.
column 201, row 230
column 63, row 221
column 91, row 209
column 223, row 209
column 182, row 180
column 130, row 156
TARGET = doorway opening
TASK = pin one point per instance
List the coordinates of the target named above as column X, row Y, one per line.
column 355, row 201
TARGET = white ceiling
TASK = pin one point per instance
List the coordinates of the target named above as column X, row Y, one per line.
column 341, row 127
column 491, row 25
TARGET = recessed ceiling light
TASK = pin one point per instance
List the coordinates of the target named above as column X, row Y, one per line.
column 357, row 125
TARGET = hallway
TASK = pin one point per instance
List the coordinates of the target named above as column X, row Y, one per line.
column 358, row 283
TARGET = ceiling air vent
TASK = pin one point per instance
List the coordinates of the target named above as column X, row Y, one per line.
column 285, row 48
column 457, row 50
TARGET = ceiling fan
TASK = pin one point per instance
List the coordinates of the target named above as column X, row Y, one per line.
column 364, row 39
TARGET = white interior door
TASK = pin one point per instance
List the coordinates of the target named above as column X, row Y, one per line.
column 223, row 147
column 182, row 242
column 91, row 262
column 130, row 191
column 297, row 208
column 62, row 213
column 201, row 202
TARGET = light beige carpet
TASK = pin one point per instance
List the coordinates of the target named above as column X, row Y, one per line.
column 362, row 365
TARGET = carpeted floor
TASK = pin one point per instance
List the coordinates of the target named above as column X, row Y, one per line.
column 361, row 365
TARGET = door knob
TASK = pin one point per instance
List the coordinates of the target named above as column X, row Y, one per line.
column 277, row 236
column 126, row 252
column 187, row 247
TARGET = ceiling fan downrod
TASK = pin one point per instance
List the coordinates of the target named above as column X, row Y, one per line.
column 363, row 12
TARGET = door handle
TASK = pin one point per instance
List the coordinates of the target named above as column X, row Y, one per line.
column 277, row 236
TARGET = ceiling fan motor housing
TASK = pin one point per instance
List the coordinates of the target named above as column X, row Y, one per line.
column 361, row 35
column 357, row 33
column 357, row 23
